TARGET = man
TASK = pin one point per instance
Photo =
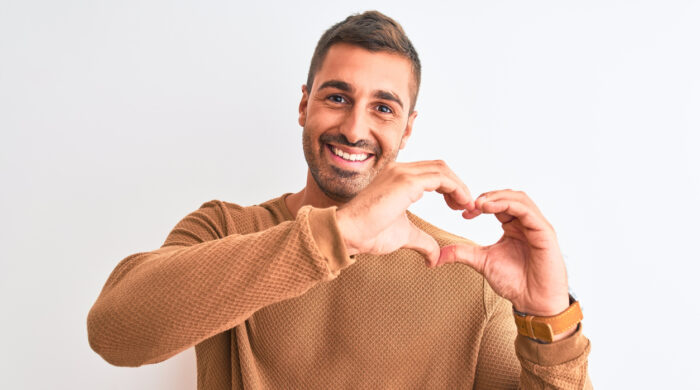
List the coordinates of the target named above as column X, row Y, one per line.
column 338, row 286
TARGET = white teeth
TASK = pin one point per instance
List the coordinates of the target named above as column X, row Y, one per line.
column 348, row 156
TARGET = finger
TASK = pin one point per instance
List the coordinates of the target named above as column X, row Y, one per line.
column 469, row 214
column 490, row 195
column 453, row 199
column 470, row 254
column 518, row 196
column 455, row 196
column 424, row 244
column 507, row 210
column 454, row 205
column 509, row 194
column 450, row 173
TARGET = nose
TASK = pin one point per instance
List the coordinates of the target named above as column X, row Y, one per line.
column 355, row 126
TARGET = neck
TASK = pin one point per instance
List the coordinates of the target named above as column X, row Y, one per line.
column 309, row 195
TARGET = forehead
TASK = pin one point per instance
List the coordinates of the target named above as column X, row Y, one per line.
column 366, row 70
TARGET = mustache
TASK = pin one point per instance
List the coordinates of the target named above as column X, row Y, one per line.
column 340, row 139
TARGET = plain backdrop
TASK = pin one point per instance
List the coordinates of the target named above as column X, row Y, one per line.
column 119, row 118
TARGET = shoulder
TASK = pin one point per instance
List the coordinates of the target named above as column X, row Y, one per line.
column 441, row 236
column 217, row 219
column 234, row 218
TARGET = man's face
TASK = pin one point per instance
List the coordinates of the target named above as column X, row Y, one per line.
column 356, row 117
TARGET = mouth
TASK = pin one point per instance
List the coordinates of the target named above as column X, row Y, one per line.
column 348, row 156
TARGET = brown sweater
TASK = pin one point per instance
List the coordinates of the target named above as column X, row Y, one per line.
column 271, row 301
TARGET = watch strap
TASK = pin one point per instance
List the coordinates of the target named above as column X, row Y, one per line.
column 545, row 328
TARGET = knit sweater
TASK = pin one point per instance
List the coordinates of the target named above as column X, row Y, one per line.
column 272, row 301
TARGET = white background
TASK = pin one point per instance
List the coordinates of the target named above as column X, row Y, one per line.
column 119, row 118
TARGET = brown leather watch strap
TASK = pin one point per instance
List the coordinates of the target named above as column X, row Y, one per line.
column 545, row 328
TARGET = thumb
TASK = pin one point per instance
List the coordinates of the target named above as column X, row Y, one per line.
column 469, row 254
column 423, row 243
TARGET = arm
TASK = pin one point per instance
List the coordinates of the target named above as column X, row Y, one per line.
column 207, row 278
column 530, row 365
column 526, row 267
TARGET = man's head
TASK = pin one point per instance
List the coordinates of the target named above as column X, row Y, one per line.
column 374, row 32
column 357, row 108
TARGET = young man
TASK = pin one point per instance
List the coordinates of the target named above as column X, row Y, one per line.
column 338, row 286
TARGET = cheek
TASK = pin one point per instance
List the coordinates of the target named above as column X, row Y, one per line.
column 323, row 117
column 390, row 140
column 309, row 137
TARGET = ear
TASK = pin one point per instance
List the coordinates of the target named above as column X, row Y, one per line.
column 303, row 105
column 408, row 130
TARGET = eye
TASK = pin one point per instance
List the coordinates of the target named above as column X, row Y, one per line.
column 336, row 99
column 385, row 109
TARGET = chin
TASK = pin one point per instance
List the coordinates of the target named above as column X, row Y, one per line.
column 340, row 185
column 341, row 192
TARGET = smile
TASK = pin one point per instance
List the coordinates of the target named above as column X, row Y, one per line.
column 355, row 157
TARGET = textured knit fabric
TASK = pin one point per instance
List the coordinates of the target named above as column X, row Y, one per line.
column 271, row 301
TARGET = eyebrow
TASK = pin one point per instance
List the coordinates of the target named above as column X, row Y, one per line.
column 337, row 84
column 343, row 86
column 387, row 95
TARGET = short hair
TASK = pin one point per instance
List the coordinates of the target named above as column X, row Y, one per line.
column 373, row 31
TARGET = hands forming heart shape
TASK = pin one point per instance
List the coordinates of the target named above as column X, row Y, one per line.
column 524, row 266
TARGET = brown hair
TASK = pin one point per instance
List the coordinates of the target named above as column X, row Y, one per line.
column 370, row 30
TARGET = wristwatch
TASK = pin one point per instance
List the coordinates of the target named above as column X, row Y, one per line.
column 544, row 329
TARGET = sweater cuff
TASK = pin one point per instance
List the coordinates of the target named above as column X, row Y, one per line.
column 326, row 235
column 551, row 354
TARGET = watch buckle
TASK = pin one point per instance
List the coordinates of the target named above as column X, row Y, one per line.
column 545, row 332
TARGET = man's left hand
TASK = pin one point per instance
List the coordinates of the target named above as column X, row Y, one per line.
column 525, row 266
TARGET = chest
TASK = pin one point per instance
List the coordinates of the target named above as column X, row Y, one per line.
column 380, row 311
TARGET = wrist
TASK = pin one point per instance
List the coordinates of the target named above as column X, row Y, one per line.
column 548, row 329
column 346, row 227
column 549, row 308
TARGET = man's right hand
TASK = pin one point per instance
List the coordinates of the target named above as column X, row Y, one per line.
column 375, row 221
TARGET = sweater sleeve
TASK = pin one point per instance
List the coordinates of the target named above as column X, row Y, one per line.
column 562, row 364
column 530, row 365
column 207, row 278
